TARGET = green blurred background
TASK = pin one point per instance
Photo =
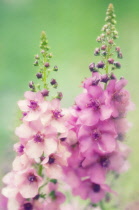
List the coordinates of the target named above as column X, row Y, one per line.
column 72, row 27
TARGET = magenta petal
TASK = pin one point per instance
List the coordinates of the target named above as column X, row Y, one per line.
column 107, row 143
column 88, row 117
column 97, row 174
column 105, row 112
column 95, row 91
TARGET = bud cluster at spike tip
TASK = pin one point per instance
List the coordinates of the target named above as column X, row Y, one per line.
column 107, row 48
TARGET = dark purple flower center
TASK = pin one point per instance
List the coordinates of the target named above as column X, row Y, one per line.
column 104, row 162
column 63, row 139
column 96, row 187
column 39, row 138
column 32, row 178
column 94, row 104
column 120, row 137
column 21, row 148
column 51, row 159
column 24, row 114
column 57, row 114
column 118, row 97
column 28, row 206
column 96, row 135
column 33, row 105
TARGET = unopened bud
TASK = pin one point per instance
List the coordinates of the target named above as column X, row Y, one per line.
column 97, row 51
column 53, row 82
column 110, row 41
column 55, row 68
column 39, row 75
column 105, row 78
column 31, row 84
column 92, row 67
column 110, row 60
column 46, row 64
column 100, row 65
column 36, row 63
column 59, row 95
column 103, row 47
column 45, row 92
column 120, row 55
column 117, row 49
column 117, row 65
column 37, row 57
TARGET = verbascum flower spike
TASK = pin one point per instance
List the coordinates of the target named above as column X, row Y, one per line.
column 37, row 169
column 99, row 123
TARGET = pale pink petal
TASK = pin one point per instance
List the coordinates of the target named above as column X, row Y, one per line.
column 20, row 162
column 23, row 105
column 23, row 131
column 59, row 126
column 29, row 190
column 50, row 146
column 32, row 115
column 95, row 91
column 34, row 149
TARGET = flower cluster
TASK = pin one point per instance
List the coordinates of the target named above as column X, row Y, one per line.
column 99, row 123
column 33, row 181
column 82, row 144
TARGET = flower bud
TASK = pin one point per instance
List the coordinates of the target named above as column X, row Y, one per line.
column 37, row 57
column 55, row 68
column 104, row 53
column 98, row 39
column 42, row 51
column 103, row 47
column 110, row 41
column 120, row 55
column 117, row 65
column 100, row 65
column 36, row 63
column 117, row 49
column 53, row 82
column 46, row 64
column 59, row 95
column 39, row 75
column 110, row 60
column 31, row 84
column 112, row 76
column 45, row 92
column 105, row 78
column 97, row 51
column 92, row 67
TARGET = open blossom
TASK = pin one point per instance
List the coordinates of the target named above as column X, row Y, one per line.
column 92, row 106
column 32, row 106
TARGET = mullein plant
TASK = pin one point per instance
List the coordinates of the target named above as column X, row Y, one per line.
column 33, row 182
column 81, row 145
column 99, row 121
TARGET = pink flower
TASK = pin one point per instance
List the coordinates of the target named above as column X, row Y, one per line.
column 94, row 191
column 119, row 97
column 99, row 138
column 28, row 183
column 33, row 106
column 92, row 106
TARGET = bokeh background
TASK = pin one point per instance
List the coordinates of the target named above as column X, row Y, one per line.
column 72, row 27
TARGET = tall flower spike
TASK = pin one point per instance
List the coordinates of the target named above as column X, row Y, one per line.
column 43, row 62
column 98, row 120
column 108, row 49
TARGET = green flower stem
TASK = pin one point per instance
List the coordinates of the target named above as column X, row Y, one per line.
column 40, row 170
